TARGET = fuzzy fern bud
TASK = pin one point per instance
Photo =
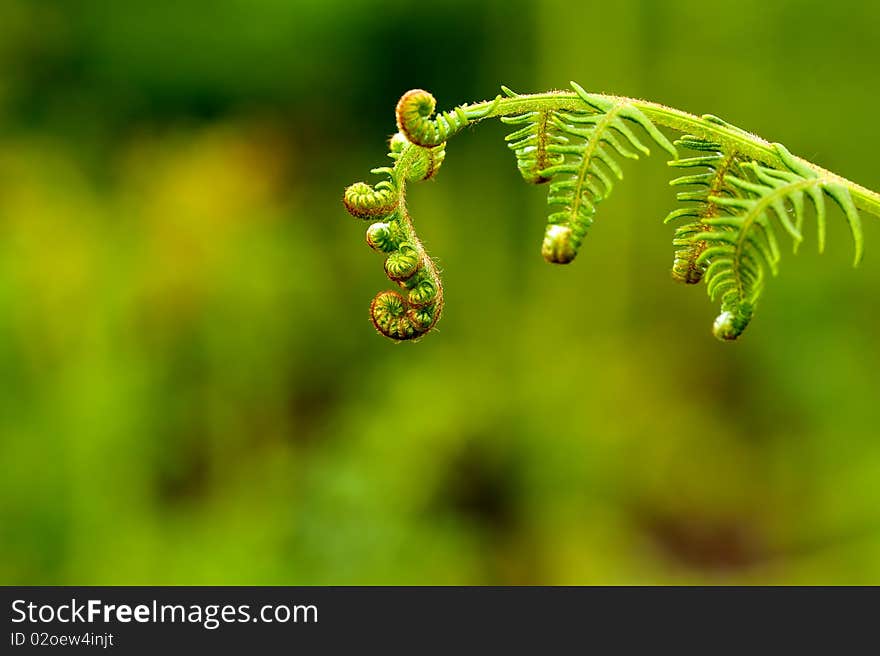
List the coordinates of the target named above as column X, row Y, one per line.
column 414, row 110
column 413, row 119
column 426, row 163
column 381, row 238
column 365, row 202
column 557, row 247
column 730, row 324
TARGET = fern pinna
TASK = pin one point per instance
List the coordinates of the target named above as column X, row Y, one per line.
column 740, row 192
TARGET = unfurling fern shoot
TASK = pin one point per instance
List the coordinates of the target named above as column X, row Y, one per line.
column 740, row 192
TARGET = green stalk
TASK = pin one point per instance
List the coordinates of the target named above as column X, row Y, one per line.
column 733, row 139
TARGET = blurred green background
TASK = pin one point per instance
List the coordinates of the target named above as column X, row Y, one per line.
column 191, row 392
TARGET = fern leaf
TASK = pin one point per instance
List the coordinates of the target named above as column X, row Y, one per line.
column 530, row 143
column 742, row 245
column 711, row 182
column 583, row 153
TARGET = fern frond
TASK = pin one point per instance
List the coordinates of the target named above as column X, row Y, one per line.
column 587, row 147
column 531, row 141
column 395, row 315
column 742, row 245
column 741, row 191
column 711, row 182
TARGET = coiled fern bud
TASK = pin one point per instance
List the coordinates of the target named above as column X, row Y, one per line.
column 366, row 202
column 382, row 237
column 415, row 108
column 413, row 119
column 558, row 246
column 730, row 324
column 395, row 315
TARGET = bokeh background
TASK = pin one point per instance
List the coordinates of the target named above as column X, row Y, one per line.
column 191, row 392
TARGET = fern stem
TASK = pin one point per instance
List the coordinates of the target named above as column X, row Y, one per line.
column 732, row 138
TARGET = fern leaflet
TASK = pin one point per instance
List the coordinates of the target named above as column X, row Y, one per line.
column 586, row 166
column 699, row 206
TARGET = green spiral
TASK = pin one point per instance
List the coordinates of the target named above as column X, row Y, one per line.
column 414, row 110
column 402, row 263
column 396, row 319
column 426, row 163
column 732, row 321
column 411, row 314
column 366, row 202
column 382, row 237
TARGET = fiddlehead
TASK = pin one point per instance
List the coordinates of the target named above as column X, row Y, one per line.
column 366, row 202
column 414, row 110
column 743, row 190
column 408, row 315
